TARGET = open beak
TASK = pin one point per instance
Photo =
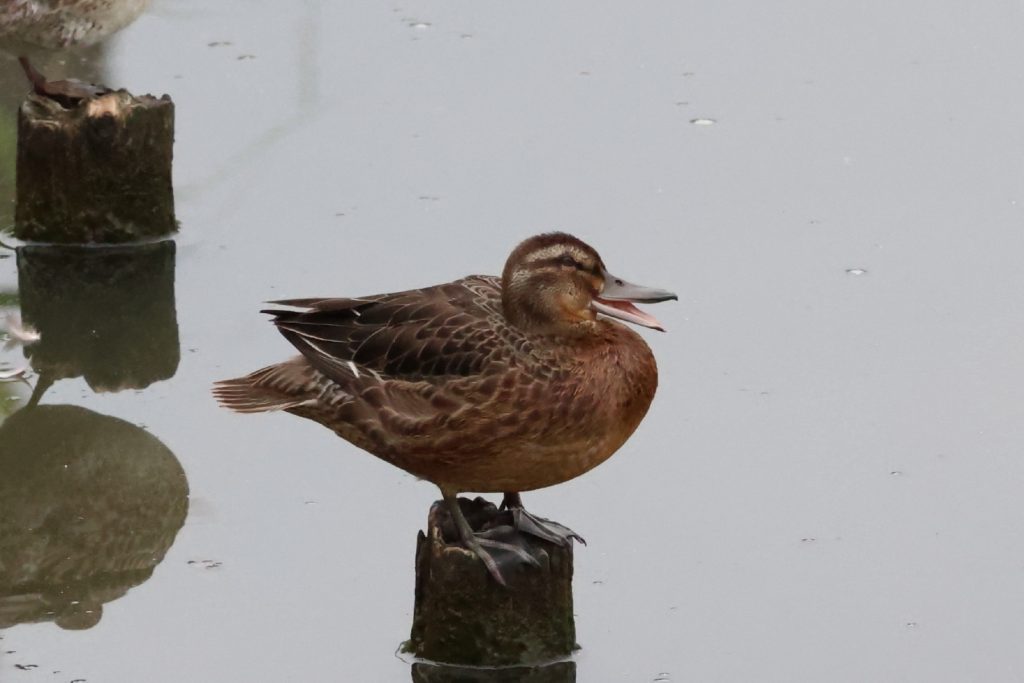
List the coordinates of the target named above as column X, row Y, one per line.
column 617, row 298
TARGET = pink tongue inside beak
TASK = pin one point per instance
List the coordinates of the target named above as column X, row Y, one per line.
column 624, row 310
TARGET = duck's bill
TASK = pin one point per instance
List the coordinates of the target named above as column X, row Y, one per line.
column 618, row 296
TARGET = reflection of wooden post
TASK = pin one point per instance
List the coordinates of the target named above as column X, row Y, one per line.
column 99, row 171
column 105, row 313
column 463, row 616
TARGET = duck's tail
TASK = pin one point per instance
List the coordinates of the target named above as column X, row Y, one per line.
column 276, row 387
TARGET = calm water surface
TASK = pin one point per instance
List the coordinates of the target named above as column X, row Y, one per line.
column 828, row 486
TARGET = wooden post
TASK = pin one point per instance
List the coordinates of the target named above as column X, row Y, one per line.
column 463, row 616
column 98, row 170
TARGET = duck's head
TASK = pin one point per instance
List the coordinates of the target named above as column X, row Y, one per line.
column 557, row 284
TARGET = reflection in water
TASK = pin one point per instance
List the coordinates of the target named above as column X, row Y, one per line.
column 105, row 313
column 559, row 672
column 14, row 393
column 89, row 505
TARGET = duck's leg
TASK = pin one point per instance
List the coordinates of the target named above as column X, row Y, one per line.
column 476, row 543
column 528, row 523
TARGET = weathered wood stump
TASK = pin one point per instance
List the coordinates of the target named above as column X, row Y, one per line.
column 96, row 170
column 463, row 616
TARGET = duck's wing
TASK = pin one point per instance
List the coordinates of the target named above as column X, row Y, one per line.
column 450, row 330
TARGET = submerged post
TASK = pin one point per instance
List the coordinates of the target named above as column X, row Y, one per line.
column 558, row 672
column 463, row 616
column 95, row 169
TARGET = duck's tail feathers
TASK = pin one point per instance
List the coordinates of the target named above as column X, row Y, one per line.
column 276, row 387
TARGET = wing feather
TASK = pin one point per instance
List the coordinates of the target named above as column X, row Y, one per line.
column 423, row 334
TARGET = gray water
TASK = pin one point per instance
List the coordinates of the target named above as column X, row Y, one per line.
column 828, row 485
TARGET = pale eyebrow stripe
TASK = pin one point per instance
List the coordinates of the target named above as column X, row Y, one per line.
column 546, row 253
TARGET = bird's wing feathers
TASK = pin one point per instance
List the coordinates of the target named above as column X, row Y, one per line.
column 443, row 331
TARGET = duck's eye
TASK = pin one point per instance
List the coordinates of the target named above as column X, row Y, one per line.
column 566, row 260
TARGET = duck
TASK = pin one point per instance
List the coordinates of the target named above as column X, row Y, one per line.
column 28, row 27
column 485, row 384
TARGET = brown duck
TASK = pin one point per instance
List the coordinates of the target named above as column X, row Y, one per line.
column 484, row 384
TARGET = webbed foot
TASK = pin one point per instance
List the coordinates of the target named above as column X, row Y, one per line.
column 502, row 540
column 545, row 529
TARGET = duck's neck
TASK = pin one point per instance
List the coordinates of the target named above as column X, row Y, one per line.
column 540, row 316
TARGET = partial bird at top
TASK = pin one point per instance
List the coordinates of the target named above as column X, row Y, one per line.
column 28, row 26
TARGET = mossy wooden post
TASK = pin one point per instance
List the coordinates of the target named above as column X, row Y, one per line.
column 96, row 169
column 463, row 616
